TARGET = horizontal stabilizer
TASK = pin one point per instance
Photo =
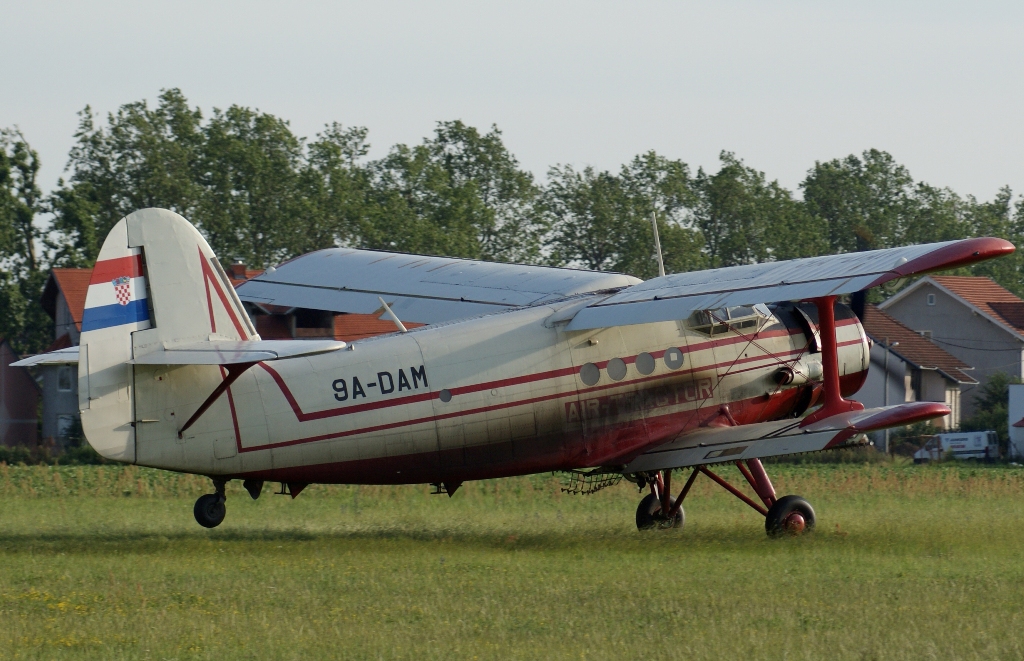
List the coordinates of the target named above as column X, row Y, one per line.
column 230, row 352
column 676, row 296
column 68, row 356
column 710, row 445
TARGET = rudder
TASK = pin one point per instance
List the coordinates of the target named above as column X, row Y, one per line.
column 156, row 283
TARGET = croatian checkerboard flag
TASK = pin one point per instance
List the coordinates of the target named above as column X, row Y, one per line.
column 117, row 294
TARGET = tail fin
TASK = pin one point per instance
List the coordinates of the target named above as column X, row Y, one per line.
column 156, row 284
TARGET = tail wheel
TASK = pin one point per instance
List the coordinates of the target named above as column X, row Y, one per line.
column 209, row 510
column 790, row 515
column 649, row 514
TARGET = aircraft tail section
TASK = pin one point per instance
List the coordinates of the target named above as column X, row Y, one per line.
column 156, row 285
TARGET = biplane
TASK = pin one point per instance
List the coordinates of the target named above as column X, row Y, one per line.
column 515, row 370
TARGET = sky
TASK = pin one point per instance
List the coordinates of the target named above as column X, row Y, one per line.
column 939, row 85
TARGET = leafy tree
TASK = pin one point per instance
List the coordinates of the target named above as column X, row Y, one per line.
column 335, row 188
column 143, row 158
column 992, row 408
column 746, row 219
column 22, row 320
column 864, row 202
column 249, row 203
column 459, row 193
column 603, row 222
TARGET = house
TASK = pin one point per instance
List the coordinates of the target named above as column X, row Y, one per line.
column 915, row 369
column 19, row 401
column 274, row 322
column 972, row 318
column 64, row 300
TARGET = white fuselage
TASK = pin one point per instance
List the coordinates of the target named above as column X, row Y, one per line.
column 492, row 396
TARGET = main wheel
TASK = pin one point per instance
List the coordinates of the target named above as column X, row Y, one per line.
column 790, row 515
column 209, row 510
column 649, row 515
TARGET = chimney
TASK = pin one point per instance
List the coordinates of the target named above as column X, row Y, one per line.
column 238, row 271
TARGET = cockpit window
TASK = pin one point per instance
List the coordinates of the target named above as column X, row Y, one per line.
column 720, row 320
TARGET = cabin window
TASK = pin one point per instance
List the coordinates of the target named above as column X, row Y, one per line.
column 64, row 378
column 931, row 299
column 674, row 358
column 721, row 320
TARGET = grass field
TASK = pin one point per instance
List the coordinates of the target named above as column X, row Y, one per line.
column 907, row 563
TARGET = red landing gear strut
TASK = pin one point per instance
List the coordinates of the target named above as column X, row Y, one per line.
column 789, row 514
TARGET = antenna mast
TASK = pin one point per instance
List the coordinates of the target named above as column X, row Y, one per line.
column 657, row 243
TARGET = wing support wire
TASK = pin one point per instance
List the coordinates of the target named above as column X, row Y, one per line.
column 234, row 370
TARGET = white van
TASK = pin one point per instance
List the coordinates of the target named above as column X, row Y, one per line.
column 962, row 445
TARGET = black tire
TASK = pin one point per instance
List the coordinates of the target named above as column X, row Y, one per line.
column 209, row 510
column 648, row 515
column 778, row 521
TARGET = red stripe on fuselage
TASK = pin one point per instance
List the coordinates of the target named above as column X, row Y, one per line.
column 301, row 416
column 109, row 269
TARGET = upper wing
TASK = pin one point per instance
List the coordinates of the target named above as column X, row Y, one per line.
column 675, row 296
column 418, row 288
column 711, row 445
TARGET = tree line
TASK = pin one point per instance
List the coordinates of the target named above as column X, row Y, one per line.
column 261, row 194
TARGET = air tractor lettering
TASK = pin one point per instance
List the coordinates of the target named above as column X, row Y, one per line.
column 626, row 404
column 384, row 382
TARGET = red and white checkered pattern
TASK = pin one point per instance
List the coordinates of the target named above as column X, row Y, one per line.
column 123, row 292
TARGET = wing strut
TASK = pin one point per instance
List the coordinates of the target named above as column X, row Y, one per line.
column 834, row 402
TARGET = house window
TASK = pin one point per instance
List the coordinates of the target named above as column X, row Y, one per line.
column 931, row 299
column 64, row 378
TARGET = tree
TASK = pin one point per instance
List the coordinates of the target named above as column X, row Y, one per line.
column 602, row 221
column 991, row 410
column 335, row 188
column 746, row 219
column 143, row 158
column 249, row 204
column 865, row 203
column 460, row 193
column 22, row 320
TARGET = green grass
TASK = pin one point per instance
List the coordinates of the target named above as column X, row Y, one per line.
column 907, row 563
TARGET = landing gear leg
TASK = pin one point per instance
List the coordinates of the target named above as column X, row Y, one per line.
column 209, row 509
column 787, row 515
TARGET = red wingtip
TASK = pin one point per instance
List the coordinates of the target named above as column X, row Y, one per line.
column 961, row 253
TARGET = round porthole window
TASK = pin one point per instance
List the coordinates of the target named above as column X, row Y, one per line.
column 673, row 358
column 445, row 395
column 645, row 363
column 590, row 374
column 617, row 369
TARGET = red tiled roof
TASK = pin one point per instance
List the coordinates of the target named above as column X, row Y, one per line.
column 913, row 347
column 74, row 284
column 350, row 327
column 987, row 296
column 238, row 274
column 62, row 342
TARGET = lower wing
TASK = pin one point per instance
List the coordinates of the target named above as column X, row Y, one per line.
column 711, row 445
